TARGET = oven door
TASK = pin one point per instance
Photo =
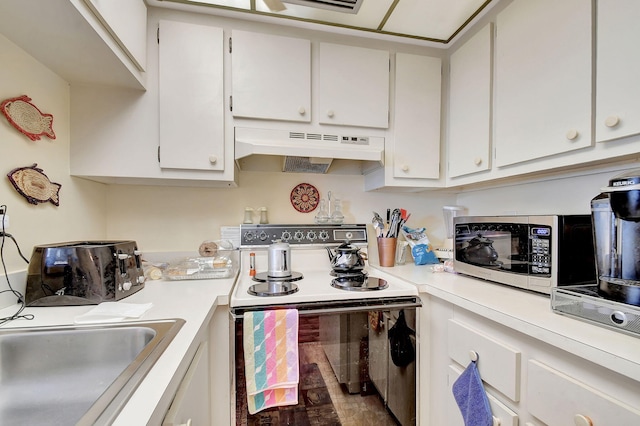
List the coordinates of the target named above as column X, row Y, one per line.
column 355, row 357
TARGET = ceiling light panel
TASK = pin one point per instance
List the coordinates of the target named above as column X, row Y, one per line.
column 437, row 19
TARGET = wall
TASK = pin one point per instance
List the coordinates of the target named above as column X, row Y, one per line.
column 172, row 218
column 81, row 214
column 566, row 193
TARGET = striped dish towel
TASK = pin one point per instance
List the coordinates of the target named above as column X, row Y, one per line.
column 271, row 358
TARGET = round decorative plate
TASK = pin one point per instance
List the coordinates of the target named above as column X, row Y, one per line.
column 305, row 197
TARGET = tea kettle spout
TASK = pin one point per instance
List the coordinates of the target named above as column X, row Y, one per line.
column 331, row 255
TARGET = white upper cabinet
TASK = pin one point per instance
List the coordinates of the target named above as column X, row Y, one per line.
column 416, row 150
column 469, row 145
column 618, row 70
column 191, row 98
column 353, row 86
column 271, row 77
column 83, row 41
column 126, row 20
column 543, row 79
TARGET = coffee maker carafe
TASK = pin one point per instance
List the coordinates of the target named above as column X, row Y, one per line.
column 616, row 227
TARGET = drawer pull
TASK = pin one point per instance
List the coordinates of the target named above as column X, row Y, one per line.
column 580, row 420
column 612, row 121
column 473, row 355
column 496, row 421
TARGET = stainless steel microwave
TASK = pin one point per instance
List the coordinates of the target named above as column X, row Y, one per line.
column 530, row 252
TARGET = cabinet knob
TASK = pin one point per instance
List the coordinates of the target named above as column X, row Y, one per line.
column 405, row 168
column 302, row 111
column 477, row 161
column 188, row 423
column 330, row 113
column 612, row 121
column 572, row 134
column 580, row 420
column 213, row 159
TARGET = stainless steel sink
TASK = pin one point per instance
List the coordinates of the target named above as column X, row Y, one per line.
column 77, row 374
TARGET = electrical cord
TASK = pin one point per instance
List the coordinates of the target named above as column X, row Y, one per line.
column 21, row 302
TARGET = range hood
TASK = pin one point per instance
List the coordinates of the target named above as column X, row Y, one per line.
column 307, row 152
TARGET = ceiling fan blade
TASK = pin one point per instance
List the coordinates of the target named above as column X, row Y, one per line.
column 275, row 5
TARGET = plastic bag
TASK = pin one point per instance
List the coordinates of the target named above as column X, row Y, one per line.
column 421, row 248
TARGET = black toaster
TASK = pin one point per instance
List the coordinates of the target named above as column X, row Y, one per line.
column 83, row 273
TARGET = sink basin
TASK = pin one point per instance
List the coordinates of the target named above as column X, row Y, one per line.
column 76, row 374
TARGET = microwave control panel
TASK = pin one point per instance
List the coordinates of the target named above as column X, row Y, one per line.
column 540, row 250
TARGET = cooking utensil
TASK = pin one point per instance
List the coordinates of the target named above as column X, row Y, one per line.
column 378, row 224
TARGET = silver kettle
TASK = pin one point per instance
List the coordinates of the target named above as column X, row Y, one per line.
column 279, row 260
column 346, row 258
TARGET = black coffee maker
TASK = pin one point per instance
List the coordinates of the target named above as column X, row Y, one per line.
column 616, row 227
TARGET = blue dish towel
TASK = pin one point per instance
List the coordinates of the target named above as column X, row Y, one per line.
column 471, row 398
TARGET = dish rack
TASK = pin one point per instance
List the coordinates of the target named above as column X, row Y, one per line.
column 584, row 302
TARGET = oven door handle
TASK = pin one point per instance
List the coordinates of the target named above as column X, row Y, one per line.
column 345, row 309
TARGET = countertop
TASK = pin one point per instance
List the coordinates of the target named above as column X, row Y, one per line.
column 196, row 301
column 530, row 314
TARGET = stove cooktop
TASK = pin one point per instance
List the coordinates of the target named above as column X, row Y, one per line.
column 315, row 286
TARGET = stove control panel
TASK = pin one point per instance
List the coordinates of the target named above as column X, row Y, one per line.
column 263, row 235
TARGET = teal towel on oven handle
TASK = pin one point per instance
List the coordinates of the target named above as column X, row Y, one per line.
column 471, row 398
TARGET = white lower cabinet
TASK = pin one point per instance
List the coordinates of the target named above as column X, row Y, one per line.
column 558, row 399
column 528, row 381
column 190, row 406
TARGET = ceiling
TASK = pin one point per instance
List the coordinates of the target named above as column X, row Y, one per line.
column 437, row 21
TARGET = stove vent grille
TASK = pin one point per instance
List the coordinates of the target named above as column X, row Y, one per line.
column 306, row 165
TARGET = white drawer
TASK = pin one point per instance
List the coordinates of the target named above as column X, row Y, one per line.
column 504, row 414
column 556, row 399
column 499, row 364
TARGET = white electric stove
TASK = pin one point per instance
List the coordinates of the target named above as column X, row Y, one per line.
column 352, row 323
column 311, row 267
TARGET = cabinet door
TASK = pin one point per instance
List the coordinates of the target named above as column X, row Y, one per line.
column 353, row 86
column 558, row 399
column 191, row 96
column 271, row 77
column 618, row 70
column 543, row 79
column 469, row 147
column 416, row 151
column 126, row 20
column 190, row 405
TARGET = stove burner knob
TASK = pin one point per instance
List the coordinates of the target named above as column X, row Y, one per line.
column 311, row 235
column 298, row 235
column 349, row 235
column 263, row 236
column 249, row 236
column 286, row 236
column 324, row 235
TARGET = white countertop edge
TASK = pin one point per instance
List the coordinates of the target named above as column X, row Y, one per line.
column 530, row 314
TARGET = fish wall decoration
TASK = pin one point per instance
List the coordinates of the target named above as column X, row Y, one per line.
column 34, row 185
column 27, row 118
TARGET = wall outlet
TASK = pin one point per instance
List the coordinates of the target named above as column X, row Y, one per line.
column 5, row 224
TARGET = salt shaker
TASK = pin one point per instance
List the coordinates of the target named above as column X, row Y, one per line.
column 263, row 215
column 248, row 215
